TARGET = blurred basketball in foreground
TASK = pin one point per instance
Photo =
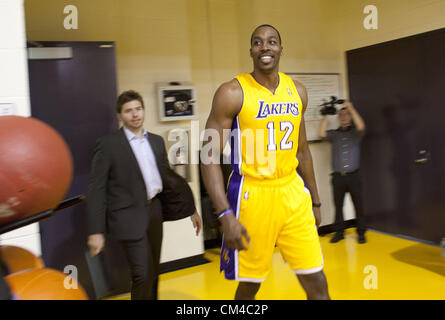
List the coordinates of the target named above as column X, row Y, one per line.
column 36, row 168
column 17, row 259
column 44, row 284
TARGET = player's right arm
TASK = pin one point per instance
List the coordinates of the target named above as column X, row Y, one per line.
column 226, row 105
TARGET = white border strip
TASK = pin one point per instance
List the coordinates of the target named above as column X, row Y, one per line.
column 309, row 271
column 313, row 270
column 240, row 156
column 305, row 189
column 238, row 205
column 251, row 280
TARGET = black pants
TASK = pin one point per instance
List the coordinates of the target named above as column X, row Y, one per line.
column 348, row 183
column 144, row 255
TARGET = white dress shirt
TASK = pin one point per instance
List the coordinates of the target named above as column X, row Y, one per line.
column 147, row 162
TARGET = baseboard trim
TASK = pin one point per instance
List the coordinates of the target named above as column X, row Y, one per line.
column 407, row 237
column 329, row 228
column 182, row 263
column 212, row 243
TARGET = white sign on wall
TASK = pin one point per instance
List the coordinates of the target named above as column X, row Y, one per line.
column 7, row 109
column 320, row 87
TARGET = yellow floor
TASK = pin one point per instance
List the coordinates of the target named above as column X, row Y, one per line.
column 400, row 269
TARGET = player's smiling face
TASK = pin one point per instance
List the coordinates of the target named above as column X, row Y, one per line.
column 265, row 49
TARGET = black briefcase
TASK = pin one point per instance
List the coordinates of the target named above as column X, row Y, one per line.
column 100, row 276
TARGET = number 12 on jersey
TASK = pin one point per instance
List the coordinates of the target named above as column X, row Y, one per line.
column 285, row 144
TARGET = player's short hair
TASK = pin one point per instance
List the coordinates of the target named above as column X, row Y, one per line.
column 265, row 25
column 128, row 96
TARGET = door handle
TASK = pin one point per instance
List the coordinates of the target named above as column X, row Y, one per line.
column 421, row 160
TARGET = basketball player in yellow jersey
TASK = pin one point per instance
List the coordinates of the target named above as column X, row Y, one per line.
column 273, row 202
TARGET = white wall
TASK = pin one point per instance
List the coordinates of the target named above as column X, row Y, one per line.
column 14, row 90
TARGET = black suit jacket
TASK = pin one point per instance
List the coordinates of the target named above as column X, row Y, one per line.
column 117, row 196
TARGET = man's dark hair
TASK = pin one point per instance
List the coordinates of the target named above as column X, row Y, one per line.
column 128, row 96
column 265, row 25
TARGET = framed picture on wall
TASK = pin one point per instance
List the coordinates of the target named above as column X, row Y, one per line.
column 176, row 102
column 320, row 88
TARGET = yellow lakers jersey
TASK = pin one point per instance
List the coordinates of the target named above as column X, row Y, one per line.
column 265, row 132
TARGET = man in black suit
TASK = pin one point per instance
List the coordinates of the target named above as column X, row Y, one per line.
column 132, row 190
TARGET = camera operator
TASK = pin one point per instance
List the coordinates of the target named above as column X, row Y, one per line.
column 345, row 143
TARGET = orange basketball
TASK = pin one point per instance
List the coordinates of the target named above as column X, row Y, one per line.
column 36, row 168
column 44, row 284
column 18, row 259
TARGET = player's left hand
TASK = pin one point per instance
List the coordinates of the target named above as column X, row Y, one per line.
column 317, row 215
column 197, row 222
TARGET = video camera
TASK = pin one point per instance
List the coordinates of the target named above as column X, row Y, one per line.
column 328, row 107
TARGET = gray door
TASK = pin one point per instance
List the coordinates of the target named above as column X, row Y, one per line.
column 399, row 87
column 77, row 96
